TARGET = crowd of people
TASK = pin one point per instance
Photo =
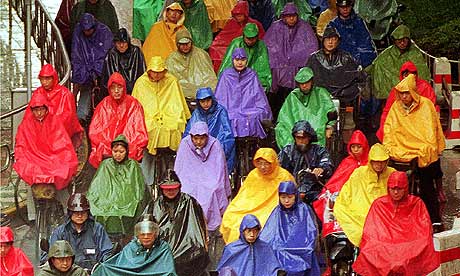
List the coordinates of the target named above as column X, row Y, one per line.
column 164, row 121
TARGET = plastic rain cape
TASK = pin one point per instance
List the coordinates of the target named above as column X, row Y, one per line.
column 145, row 14
column 197, row 22
column 16, row 263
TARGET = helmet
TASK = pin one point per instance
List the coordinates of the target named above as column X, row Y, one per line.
column 147, row 224
column 77, row 203
column 6, row 234
column 61, row 249
column 171, row 181
column 344, row 3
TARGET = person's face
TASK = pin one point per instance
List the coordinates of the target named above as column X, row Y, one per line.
column 250, row 41
column 79, row 217
column 156, row 76
column 200, row 141
column 121, row 46
column 206, row 103
column 290, row 19
column 345, row 11
column 402, row 43
column 47, row 82
column 287, row 200
column 379, row 166
column 119, row 153
column 251, row 234
column 306, row 86
column 356, row 150
column 40, row 112
column 171, row 193
column 406, row 98
column 63, row 264
column 185, row 48
column 302, row 139
column 240, row 18
column 239, row 64
column 407, row 72
column 331, row 43
column 88, row 32
column 173, row 16
column 5, row 248
column 116, row 90
column 147, row 239
column 264, row 166
column 397, row 193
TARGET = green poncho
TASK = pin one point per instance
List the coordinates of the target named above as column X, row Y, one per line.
column 312, row 107
column 135, row 260
column 385, row 68
column 197, row 22
column 116, row 195
column 304, row 8
column 257, row 60
column 145, row 13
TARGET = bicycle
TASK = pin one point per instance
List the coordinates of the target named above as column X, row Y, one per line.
column 164, row 161
column 245, row 150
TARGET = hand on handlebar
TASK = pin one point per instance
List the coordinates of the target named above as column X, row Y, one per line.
column 318, row 172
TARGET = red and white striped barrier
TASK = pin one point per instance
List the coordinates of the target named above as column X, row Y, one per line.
column 452, row 134
column 447, row 243
column 441, row 71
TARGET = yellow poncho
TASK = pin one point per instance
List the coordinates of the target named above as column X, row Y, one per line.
column 165, row 109
column 413, row 133
column 358, row 193
column 219, row 12
column 258, row 196
column 325, row 17
column 161, row 40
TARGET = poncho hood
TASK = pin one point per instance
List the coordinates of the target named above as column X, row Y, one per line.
column 241, row 7
column 39, row 100
column 290, row 8
column 306, row 127
column 118, row 79
column 49, row 71
column 378, row 153
column 249, row 221
column 183, row 33
column 269, row 155
column 239, row 53
column 199, row 128
column 6, row 234
column 401, row 32
column 409, row 83
column 408, row 66
column 398, row 180
column 359, row 138
column 175, row 6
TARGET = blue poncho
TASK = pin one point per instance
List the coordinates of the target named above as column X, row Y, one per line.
column 249, row 259
column 218, row 123
column 292, row 235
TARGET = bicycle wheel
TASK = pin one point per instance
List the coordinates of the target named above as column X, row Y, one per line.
column 41, row 223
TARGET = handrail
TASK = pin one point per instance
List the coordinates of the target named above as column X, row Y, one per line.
column 48, row 39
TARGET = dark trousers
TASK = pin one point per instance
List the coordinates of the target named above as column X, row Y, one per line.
column 276, row 100
column 428, row 191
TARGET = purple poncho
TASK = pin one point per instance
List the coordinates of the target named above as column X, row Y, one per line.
column 289, row 48
column 244, row 98
column 203, row 174
column 88, row 53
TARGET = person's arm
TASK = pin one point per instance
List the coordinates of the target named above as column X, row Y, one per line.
column 324, row 163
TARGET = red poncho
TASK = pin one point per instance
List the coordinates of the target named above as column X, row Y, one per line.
column 15, row 262
column 43, row 151
column 423, row 88
column 232, row 30
column 61, row 101
column 397, row 236
column 324, row 204
column 113, row 117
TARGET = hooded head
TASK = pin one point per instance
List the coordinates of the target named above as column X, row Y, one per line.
column 120, row 148
column 122, row 36
column 6, row 234
column 206, row 100
column 249, row 228
column 199, row 133
column 407, row 87
column 87, row 21
column 170, row 185
column 304, row 75
column 303, row 131
column 39, row 105
column 378, row 158
column 266, row 161
column 183, row 36
column 402, row 31
column 49, row 71
column 360, row 144
column 117, row 86
column 398, row 186
column 60, row 249
column 239, row 59
column 289, row 9
column 407, row 68
column 241, row 12
column 288, row 194
column 156, row 69
column 251, row 30
column 179, row 14
column 330, row 40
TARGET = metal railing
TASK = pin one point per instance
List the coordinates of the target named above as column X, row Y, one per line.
column 48, row 39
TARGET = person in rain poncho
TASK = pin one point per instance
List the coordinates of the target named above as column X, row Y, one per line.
column 102, row 10
column 146, row 254
column 262, row 11
column 61, row 101
column 43, row 151
column 307, row 102
column 249, row 255
column 124, row 58
column 290, row 42
column 291, row 232
column 385, row 68
column 365, row 184
column 216, row 117
column 116, row 192
column 233, row 29
column 303, row 154
column 397, row 236
column 325, row 17
column 197, row 22
column 61, row 261
column 257, row 54
column 165, row 111
column 161, row 40
column 407, row 140
column 13, row 261
column 358, row 151
column 145, row 14
column 190, row 65
column 356, row 38
column 378, row 15
column 90, row 43
column 220, row 12
column 200, row 152
column 117, row 114
column 241, row 93
column 258, row 195
column 305, row 12
column 182, row 225
column 87, row 237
